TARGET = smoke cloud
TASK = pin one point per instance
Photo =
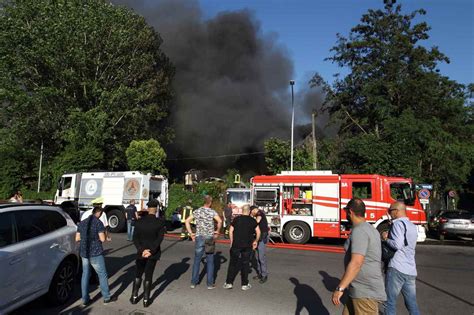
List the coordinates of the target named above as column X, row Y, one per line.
column 229, row 80
column 231, row 84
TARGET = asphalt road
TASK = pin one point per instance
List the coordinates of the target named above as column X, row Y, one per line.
column 300, row 282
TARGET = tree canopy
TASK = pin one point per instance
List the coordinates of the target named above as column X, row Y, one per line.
column 278, row 156
column 398, row 114
column 146, row 156
column 84, row 78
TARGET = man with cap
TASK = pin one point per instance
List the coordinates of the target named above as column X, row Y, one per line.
column 97, row 202
column 90, row 235
column 363, row 265
column 148, row 235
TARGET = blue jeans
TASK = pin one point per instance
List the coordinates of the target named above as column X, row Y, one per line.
column 198, row 253
column 130, row 230
column 261, row 257
column 98, row 263
column 395, row 281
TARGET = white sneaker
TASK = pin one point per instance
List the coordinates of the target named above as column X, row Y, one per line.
column 193, row 286
column 227, row 286
column 246, row 287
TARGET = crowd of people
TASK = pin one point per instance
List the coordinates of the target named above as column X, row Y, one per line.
column 377, row 267
column 248, row 238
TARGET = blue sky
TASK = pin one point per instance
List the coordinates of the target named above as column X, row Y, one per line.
column 307, row 28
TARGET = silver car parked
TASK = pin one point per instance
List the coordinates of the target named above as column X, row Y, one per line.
column 38, row 254
column 456, row 223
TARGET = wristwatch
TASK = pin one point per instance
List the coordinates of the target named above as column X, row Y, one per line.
column 340, row 289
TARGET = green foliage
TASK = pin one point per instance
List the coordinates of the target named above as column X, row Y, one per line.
column 397, row 114
column 146, row 156
column 278, row 156
column 229, row 177
column 85, row 77
column 179, row 197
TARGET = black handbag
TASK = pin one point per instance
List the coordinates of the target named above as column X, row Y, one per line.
column 210, row 246
column 387, row 251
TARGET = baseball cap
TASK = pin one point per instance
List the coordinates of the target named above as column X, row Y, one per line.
column 98, row 201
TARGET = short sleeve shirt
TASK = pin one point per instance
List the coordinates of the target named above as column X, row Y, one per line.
column 369, row 282
column 131, row 211
column 204, row 218
column 90, row 245
column 244, row 231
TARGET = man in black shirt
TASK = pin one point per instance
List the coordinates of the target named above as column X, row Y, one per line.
column 244, row 233
column 149, row 233
column 131, row 216
column 261, row 219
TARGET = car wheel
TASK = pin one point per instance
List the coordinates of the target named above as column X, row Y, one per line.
column 297, row 232
column 117, row 221
column 62, row 285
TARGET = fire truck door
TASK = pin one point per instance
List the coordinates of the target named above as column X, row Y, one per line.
column 326, row 209
column 366, row 190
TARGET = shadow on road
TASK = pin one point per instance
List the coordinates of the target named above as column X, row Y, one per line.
column 308, row 299
column 329, row 282
column 218, row 261
column 172, row 273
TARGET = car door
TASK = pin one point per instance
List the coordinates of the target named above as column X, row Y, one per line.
column 40, row 242
column 12, row 259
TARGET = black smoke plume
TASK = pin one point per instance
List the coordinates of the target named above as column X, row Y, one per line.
column 231, row 83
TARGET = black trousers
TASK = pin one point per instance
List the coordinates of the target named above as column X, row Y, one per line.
column 239, row 261
column 146, row 266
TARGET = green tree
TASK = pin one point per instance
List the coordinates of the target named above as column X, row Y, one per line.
column 83, row 77
column 147, row 156
column 278, row 156
column 397, row 113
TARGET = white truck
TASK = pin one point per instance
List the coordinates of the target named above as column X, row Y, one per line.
column 77, row 190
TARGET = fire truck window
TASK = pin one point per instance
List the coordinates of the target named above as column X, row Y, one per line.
column 265, row 195
column 362, row 190
column 67, row 182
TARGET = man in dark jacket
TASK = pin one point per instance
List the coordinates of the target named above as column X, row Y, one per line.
column 148, row 235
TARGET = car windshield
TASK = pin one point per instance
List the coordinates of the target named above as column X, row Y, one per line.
column 238, row 197
column 402, row 192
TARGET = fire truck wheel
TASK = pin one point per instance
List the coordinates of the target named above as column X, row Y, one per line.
column 383, row 227
column 117, row 221
column 297, row 232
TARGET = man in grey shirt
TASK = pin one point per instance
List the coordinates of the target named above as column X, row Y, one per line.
column 363, row 265
column 401, row 272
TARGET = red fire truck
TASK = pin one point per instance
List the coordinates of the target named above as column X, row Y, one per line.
column 304, row 204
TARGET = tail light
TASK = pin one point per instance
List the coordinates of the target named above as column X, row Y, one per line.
column 443, row 220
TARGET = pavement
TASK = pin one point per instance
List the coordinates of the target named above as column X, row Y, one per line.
column 300, row 282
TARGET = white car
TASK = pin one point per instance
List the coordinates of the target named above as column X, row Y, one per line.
column 38, row 254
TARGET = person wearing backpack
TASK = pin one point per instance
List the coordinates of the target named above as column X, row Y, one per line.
column 401, row 272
